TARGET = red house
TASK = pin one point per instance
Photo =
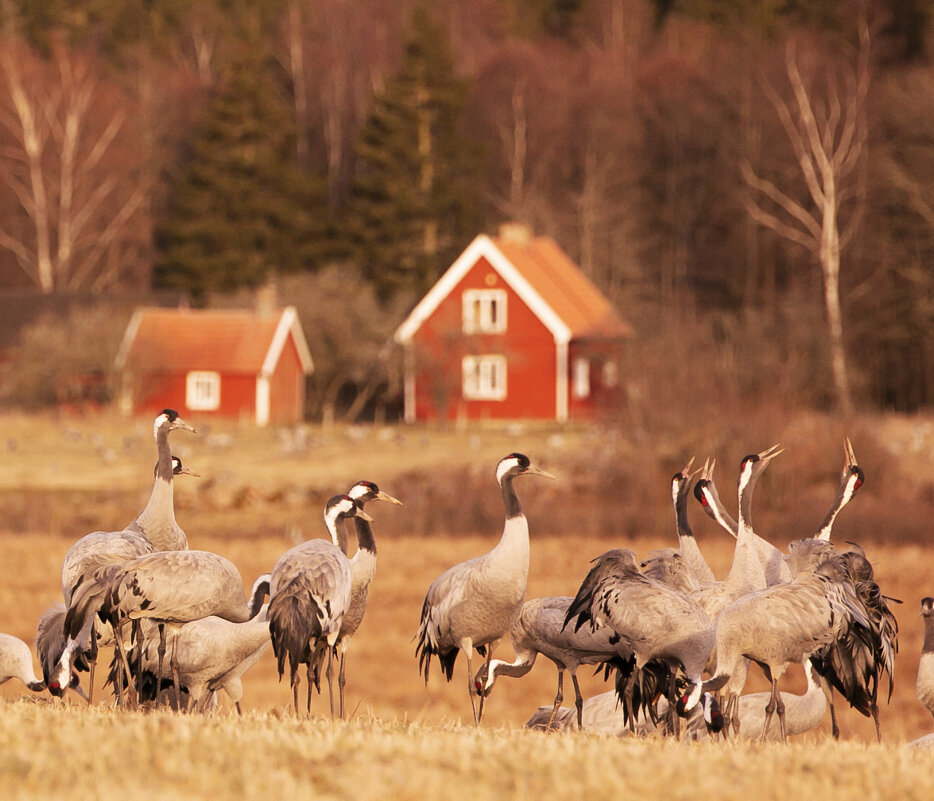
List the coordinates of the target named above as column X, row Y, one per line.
column 513, row 330
column 232, row 363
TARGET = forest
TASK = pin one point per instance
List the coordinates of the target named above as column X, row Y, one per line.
column 750, row 181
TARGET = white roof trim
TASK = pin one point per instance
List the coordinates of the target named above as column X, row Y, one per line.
column 288, row 324
column 482, row 247
column 128, row 336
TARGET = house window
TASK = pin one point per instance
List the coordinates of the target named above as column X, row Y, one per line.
column 203, row 390
column 484, row 377
column 580, row 384
column 484, row 311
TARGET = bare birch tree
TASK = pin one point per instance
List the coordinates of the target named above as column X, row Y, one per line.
column 827, row 136
column 77, row 199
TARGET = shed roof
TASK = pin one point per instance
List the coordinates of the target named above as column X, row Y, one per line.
column 222, row 340
column 542, row 274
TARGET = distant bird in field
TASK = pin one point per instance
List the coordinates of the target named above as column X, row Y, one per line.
column 212, row 655
column 169, row 587
column 362, row 570
column 539, row 629
column 16, row 663
column 656, row 621
column 101, row 549
column 50, row 644
column 309, row 594
column 924, row 686
column 473, row 604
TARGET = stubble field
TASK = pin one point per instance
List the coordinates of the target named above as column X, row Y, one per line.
column 257, row 496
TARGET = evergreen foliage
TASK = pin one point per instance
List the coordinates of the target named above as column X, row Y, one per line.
column 239, row 210
column 416, row 196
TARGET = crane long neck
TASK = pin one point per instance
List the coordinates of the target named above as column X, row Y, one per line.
column 510, row 499
column 928, row 646
column 365, row 539
column 836, row 507
column 681, row 517
column 164, row 464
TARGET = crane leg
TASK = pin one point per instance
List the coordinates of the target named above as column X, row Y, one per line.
column 489, row 658
column 341, row 681
column 161, row 652
column 674, row 723
column 92, row 662
column 173, row 663
column 578, row 700
column 330, row 675
column 309, row 676
column 132, row 698
column 559, row 697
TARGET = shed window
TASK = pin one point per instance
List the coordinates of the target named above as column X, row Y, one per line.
column 203, row 390
column 580, row 386
column 484, row 377
column 484, row 311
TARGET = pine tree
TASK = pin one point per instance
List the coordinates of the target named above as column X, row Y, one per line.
column 240, row 208
column 415, row 197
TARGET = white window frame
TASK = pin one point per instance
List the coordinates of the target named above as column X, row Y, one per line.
column 484, row 377
column 203, row 390
column 484, row 311
column 580, row 378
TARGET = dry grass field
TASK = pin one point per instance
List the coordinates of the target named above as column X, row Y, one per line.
column 260, row 491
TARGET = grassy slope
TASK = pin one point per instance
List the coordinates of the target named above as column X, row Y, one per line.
column 106, row 755
column 405, row 740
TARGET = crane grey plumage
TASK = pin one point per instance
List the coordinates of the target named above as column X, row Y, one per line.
column 655, row 621
column 16, row 663
column 924, row 685
column 539, row 629
column 157, row 520
column 170, row 587
column 473, row 604
column 362, row 571
column 50, row 644
column 212, row 655
column 100, row 549
column 781, row 624
column 669, row 566
column 309, row 595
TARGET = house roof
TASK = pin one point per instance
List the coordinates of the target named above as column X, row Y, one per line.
column 227, row 341
column 553, row 286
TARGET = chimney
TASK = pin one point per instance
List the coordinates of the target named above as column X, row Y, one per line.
column 267, row 300
column 515, row 233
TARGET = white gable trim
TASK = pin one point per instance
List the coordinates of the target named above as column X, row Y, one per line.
column 482, row 247
column 128, row 336
column 288, row 324
column 262, row 400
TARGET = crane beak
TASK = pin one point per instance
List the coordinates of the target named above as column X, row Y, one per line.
column 848, row 453
column 179, row 423
column 770, row 453
column 385, row 496
column 363, row 515
column 707, row 473
column 187, row 472
column 537, row 471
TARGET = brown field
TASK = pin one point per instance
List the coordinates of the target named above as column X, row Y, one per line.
column 260, row 495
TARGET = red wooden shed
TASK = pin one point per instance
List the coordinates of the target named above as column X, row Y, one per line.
column 512, row 330
column 232, row 363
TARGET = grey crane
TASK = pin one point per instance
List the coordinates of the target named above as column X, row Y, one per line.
column 362, row 571
column 50, row 644
column 770, row 557
column 803, row 713
column 782, row 624
column 157, row 520
column 473, row 604
column 169, row 587
column 212, row 655
column 539, row 629
column 680, row 491
column 100, row 549
column 747, row 572
column 851, row 479
column 924, row 686
column 654, row 620
column 16, row 663
column 309, row 595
